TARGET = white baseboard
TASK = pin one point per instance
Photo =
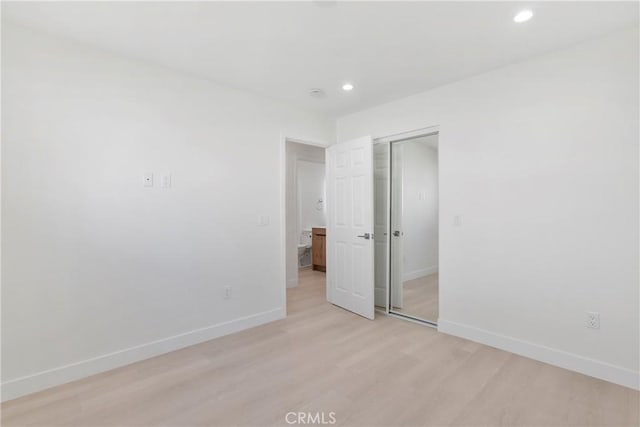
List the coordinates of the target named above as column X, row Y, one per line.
column 42, row 380
column 415, row 274
column 573, row 362
column 292, row 283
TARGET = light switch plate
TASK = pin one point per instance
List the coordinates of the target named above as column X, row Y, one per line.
column 166, row 181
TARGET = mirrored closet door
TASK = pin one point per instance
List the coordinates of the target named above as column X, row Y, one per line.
column 413, row 222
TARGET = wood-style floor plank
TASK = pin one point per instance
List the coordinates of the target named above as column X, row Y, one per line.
column 324, row 359
column 420, row 298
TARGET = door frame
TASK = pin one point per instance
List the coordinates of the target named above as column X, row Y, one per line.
column 283, row 210
column 429, row 130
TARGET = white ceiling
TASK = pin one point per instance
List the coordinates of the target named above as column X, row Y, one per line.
column 388, row 50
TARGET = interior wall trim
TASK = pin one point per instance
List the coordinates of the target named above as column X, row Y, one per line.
column 42, row 380
column 429, row 130
column 573, row 362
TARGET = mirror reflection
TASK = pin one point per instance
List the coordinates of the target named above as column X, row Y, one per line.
column 414, row 227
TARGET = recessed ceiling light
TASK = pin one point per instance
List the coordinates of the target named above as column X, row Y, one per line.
column 347, row 87
column 523, row 16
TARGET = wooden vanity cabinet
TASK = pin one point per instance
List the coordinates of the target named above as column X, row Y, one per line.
column 318, row 249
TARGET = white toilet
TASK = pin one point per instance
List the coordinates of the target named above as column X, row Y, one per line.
column 304, row 249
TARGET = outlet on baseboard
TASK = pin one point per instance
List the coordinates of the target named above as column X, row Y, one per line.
column 227, row 292
column 593, row 320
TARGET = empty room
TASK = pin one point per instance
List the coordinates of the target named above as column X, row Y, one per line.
column 354, row 213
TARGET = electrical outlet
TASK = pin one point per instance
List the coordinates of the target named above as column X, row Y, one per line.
column 263, row 220
column 227, row 292
column 593, row 320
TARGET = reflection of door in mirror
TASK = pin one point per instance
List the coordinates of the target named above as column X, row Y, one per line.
column 396, row 253
column 414, row 228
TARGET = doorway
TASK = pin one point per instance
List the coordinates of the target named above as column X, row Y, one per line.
column 305, row 222
column 381, row 244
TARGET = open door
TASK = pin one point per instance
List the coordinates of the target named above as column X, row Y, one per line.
column 350, row 243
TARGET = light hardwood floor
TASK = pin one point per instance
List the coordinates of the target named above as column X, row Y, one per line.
column 420, row 298
column 321, row 358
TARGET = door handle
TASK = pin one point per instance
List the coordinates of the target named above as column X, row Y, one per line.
column 365, row 236
column 396, row 233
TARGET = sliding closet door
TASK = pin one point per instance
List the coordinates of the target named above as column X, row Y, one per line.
column 396, row 251
column 414, row 278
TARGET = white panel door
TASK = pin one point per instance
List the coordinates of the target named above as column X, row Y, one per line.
column 350, row 243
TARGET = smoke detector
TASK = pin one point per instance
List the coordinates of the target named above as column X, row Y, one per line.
column 316, row 93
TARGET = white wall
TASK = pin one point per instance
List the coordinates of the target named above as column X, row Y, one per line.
column 311, row 194
column 419, row 208
column 99, row 271
column 295, row 152
column 540, row 161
